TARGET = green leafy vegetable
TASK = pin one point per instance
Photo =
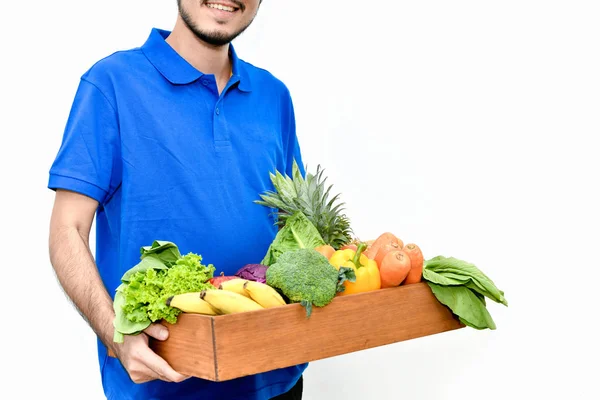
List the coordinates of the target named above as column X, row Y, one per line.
column 458, row 269
column 464, row 303
column 463, row 287
column 160, row 255
column 122, row 325
column 167, row 252
column 147, row 263
column 298, row 233
column 442, row 279
column 141, row 297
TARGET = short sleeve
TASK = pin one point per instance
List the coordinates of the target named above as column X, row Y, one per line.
column 88, row 160
column 292, row 144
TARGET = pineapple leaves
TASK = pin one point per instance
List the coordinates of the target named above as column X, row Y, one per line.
column 309, row 196
column 297, row 179
column 282, row 187
column 273, row 203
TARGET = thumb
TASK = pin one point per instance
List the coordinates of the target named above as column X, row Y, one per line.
column 157, row 331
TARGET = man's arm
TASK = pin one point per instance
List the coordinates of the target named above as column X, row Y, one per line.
column 72, row 260
column 76, row 271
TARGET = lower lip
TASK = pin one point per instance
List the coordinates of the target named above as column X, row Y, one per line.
column 221, row 13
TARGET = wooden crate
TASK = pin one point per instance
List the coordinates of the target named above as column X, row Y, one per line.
column 224, row 347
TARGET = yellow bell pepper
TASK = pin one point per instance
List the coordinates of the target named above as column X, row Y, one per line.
column 366, row 270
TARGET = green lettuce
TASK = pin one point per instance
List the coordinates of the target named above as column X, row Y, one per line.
column 162, row 272
column 298, row 233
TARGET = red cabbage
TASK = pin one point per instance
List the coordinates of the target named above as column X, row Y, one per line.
column 253, row 272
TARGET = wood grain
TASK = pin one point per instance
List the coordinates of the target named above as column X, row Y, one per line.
column 230, row 346
column 263, row 341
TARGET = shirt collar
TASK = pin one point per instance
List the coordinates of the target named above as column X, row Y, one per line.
column 177, row 70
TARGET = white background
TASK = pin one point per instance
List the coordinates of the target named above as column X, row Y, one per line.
column 466, row 127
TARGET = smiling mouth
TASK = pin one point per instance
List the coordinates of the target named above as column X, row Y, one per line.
column 222, row 7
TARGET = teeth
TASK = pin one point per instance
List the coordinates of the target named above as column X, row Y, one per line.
column 220, row 7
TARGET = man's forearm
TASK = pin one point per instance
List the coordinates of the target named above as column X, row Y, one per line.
column 76, row 270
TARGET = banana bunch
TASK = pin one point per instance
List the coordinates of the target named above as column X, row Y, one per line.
column 260, row 293
column 191, row 303
column 232, row 296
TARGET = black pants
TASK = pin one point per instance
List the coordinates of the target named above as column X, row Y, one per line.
column 295, row 393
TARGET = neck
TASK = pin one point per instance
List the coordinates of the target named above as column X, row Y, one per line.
column 204, row 57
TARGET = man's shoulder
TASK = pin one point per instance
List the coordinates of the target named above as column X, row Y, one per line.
column 262, row 77
column 115, row 66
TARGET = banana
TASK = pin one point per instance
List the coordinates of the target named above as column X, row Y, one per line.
column 226, row 302
column 191, row 303
column 236, row 286
column 263, row 294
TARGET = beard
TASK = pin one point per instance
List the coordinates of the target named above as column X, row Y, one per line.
column 215, row 37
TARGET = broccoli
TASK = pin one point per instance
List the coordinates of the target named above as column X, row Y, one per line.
column 305, row 276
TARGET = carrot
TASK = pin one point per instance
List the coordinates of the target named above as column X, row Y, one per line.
column 383, row 250
column 400, row 242
column 394, row 268
column 326, row 249
column 383, row 239
column 416, row 261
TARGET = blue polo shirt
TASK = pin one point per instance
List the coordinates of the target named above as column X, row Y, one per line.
column 168, row 158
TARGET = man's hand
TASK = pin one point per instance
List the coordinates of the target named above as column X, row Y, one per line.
column 142, row 364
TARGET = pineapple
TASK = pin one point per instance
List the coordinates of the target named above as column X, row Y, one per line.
column 309, row 196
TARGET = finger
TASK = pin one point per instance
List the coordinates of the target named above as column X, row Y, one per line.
column 151, row 376
column 143, row 374
column 157, row 331
column 162, row 368
column 146, row 374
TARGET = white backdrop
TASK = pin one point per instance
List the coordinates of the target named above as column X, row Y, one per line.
column 464, row 126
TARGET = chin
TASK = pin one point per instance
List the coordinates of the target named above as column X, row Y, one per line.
column 210, row 24
column 214, row 28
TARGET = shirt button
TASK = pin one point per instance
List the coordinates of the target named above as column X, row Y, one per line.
column 204, row 82
column 217, row 111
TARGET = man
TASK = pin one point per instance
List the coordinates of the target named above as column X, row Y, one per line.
column 173, row 140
